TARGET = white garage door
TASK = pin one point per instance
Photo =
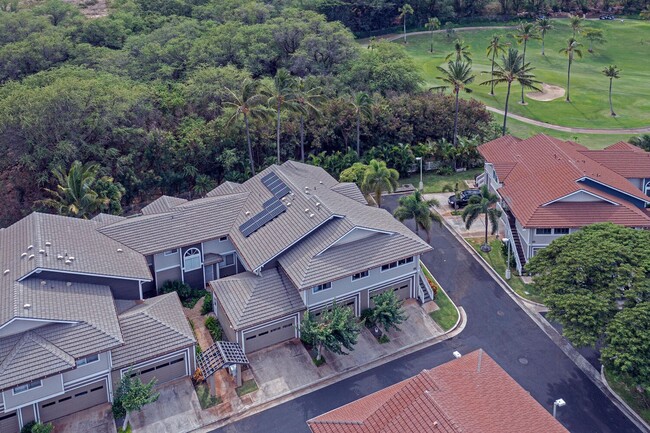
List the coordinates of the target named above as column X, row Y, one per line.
column 269, row 335
column 9, row 423
column 163, row 371
column 402, row 290
column 350, row 303
column 74, row 401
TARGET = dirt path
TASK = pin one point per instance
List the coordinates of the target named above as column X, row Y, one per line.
column 394, row 36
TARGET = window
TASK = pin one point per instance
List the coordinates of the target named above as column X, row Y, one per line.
column 223, row 238
column 87, row 360
column 561, row 231
column 192, row 259
column 360, row 275
column 228, row 260
column 171, row 252
column 396, row 264
column 27, row 386
column 542, row 231
column 321, row 287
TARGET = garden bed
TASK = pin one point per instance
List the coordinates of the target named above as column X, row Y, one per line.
column 447, row 314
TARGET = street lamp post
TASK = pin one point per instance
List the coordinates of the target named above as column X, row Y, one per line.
column 419, row 158
column 557, row 403
column 506, row 240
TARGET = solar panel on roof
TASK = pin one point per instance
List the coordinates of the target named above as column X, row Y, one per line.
column 272, row 208
column 274, row 184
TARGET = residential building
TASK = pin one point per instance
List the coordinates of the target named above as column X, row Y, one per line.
column 549, row 187
column 73, row 320
column 469, row 394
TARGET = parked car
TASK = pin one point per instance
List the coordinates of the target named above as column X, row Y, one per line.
column 463, row 198
column 607, row 17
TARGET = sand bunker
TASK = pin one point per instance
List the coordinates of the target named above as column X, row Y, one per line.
column 548, row 93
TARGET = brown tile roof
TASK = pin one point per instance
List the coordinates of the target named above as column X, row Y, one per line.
column 541, row 169
column 456, row 397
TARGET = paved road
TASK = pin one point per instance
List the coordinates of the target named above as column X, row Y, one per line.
column 495, row 323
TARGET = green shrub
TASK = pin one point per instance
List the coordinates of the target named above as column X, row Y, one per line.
column 183, row 290
column 27, row 428
column 367, row 318
column 213, row 327
column 37, row 427
column 207, row 304
column 383, row 339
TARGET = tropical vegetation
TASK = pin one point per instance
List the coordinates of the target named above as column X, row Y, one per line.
column 483, row 204
column 335, row 330
column 131, row 395
column 415, row 207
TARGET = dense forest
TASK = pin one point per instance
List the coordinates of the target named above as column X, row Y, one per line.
column 153, row 95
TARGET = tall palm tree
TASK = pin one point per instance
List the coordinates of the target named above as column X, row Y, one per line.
column 594, row 36
column 458, row 76
column 250, row 103
column 571, row 50
column 308, row 99
column 525, row 33
column 378, row 178
column 432, row 24
column 461, row 51
column 611, row 72
column 576, row 24
column 403, row 12
column 362, row 105
column 75, row 195
column 483, row 204
column 282, row 96
column 493, row 50
column 511, row 69
column 544, row 25
column 415, row 207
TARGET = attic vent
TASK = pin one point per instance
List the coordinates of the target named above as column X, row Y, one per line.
column 27, row 306
column 306, row 210
column 31, row 256
column 311, row 215
column 23, row 255
column 288, row 203
column 43, row 282
column 68, row 283
column 71, row 258
column 41, row 251
column 320, row 181
column 317, row 204
column 247, row 213
column 5, row 272
column 30, row 247
column 119, row 250
column 59, row 257
column 48, row 244
column 67, row 261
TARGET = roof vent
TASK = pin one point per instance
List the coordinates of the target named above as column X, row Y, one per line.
column 59, row 257
column 30, row 247
column 307, row 210
column 31, row 256
column 5, row 272
column 41, row 251
column 23, row 255
column 320, row 181
column 247, row 213
column 68, row 283
column 288, row 203
column 71, row 258
column 306, row 188
column 311, row 215
column 27, row 306
column 67, row 261
column 48, row 244
column 456, row 354
column 120, row 250
column 43, row 282
column 317, row 204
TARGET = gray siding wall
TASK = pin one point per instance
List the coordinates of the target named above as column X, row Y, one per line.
column 18, row 326
column 637, row 182
column 216, row 246
column 354, row 235
column 538, row 241
column 172, row 274
column 345, row 286
column 89, row 369
column 228, row 331
column 51, row 386
column 28, row 414
column 161, row 261
column 580, row 197
column 122, row 289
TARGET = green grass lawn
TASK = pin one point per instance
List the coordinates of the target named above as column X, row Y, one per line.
column 498, row 262
column 435, row 182
column 447, row 315
column 627, row 46
column 205, row 399
column 247, row 387
column 629, row 394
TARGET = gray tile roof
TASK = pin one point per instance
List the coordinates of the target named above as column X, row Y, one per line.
column 155, row 327
column 248, row 299
column 225, row 188
column 103, row 219
column 162, row 204
column 185, row 224
column 350, row 190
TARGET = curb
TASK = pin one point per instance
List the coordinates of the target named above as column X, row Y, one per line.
column 342, row 375
column 562, row 343
column 621, row 401
column 450, row 300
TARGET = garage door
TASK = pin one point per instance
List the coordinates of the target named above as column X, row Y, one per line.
column 350, row 303
column 402, row 290
column 269, row 335
column 74, row 401
column 9, row 423
column 164, row 371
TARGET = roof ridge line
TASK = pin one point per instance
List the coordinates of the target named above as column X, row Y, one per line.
column 146, row 313
column 38, row 339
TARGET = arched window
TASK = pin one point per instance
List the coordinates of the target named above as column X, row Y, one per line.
column 191, row 259
column 647, row 188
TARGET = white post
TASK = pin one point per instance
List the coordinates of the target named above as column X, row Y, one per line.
column 419, row 158
column 508, row 275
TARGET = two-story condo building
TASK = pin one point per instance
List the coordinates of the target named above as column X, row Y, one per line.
column 549, row 188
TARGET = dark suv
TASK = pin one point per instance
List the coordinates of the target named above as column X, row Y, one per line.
column 463, row 198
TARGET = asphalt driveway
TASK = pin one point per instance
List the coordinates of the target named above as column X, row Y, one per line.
column 496, row 324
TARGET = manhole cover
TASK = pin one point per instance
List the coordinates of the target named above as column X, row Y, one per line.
column 500, row 313
column 523, row 361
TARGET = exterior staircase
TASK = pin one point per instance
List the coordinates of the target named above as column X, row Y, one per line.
column 424, row 285
column 515, row 238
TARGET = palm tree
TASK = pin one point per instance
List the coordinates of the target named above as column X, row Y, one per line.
column 432, row 24
column 461, row 51
column 611, row 72
column 378, row 178
column 415, row 207
column 576, row 24
column 403, row 11
column 525, row 32
column 594, row 36
column 511, row 69
column 571, row 50
column 362, row 105
column 250, row 103
column 308, row 99
column 483, row 205
column 544, row 24
column 458, row 76
column 493, row 50
column 75, row 195
column 283, row 95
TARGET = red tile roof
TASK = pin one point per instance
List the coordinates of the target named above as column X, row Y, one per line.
column 540, row 170
column 627, row 163
column 469, row 394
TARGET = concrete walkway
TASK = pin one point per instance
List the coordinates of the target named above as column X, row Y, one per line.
column 477, row 230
